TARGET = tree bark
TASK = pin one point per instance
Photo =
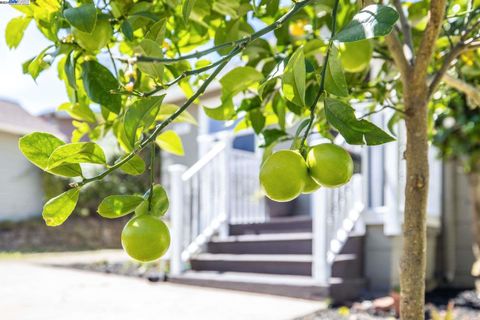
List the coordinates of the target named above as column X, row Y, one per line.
column 413, row 263
column 474, row 180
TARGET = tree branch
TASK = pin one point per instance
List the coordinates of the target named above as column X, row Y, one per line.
column 472, row 92
column 242, row 42
column 427, row 44
column 396, row 50
column 406, row 29
column 450, row 57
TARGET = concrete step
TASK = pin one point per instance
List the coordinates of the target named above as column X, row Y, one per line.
column 275, row 243
column 290, row 286
column 345, row 265
column 275, row 225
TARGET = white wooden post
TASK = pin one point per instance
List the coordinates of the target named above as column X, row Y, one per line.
column 176, row 215
column 320, row 265
column 225, row 173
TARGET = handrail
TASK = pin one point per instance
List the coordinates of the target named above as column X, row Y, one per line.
column 197, row 166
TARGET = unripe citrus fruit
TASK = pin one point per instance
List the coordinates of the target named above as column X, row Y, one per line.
column 330, row 165
column 283, row 175
column 96, row 40
column 356, row 56
column 310, row 185
column 145, row 238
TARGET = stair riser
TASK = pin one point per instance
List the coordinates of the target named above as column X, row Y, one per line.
column 277, row 267
column 349, row 269
column 354, row 245
column 262, row 247
column 271, row 227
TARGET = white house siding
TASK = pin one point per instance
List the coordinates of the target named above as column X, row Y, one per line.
column 21, row 194
column 457, row 235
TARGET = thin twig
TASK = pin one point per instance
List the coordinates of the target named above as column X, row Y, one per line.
column 322, row 80
column 387, row 106
column 407, row 30
column 190, row 73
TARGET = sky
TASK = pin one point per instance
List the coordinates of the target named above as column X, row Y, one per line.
column 45, row 95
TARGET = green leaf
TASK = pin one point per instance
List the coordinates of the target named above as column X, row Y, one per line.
column 70, row 70
column 170, row 142
column 58, row 209
column 150, row 48
column 159, row 205
column 15, row 30
column 99, row 82
column 140, row 116
column 370, row 22
column 335, row 82
column 37, row 148
column 79, row 152
column 226, row 111
column 82, row 18
column 167, row 110
column 134, row 166
column 156, row 32
column 342, row 117
column 79, row 111
column 127, row 30
column 271, row 136
column 233, row 30
column 257, row 120
column 187, row 9
column 37, row 64
column 117, row 206
column 293, row 80
column 227, row 7
column 238, row 80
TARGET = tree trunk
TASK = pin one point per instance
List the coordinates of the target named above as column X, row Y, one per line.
column 474, row 179
column 413, row 263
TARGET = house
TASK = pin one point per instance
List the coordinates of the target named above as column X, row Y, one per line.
column 21, row 183
column 337, row 242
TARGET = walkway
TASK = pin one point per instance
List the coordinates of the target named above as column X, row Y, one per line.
column 30, row 289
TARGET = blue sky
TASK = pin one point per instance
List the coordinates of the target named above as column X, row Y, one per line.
column 45, row 95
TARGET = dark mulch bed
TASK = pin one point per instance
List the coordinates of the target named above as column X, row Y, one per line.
column 154, row 271
column 466, row 307
column 76, row 234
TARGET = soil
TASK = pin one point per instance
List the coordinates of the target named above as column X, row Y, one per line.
column 76, row 234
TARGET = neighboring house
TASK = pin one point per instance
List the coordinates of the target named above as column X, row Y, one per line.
column 21, row 184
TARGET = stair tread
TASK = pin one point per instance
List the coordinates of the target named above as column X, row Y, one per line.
column 265, row 257
column 266, row 237
column 279, row 220
column 260, row 278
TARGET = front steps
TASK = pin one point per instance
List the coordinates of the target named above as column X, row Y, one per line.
column 275, row 258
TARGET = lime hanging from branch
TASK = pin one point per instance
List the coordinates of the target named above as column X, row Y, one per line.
column 283, row 175
column 330, row 165
column 145, row 238
column 356, row 56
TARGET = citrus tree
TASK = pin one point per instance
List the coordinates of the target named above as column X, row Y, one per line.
column 457, row 131
column 299, row 64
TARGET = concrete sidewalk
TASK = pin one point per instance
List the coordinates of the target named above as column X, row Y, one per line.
column 30, row 289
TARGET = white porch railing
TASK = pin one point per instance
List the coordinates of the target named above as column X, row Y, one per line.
column 221, row 188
